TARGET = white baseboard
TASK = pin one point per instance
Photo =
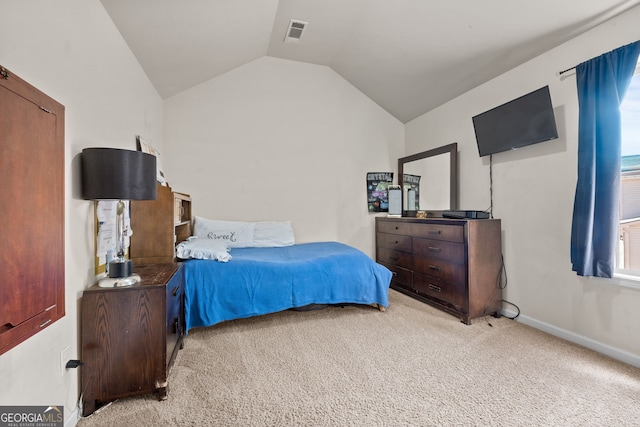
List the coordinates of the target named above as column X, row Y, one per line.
column 72, row 419
column 613, row 352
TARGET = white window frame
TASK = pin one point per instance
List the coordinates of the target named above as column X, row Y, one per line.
column 629, row 277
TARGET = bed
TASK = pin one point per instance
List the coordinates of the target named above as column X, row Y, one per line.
column 262, row 280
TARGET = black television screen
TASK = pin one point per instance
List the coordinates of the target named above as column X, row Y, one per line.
column 523, row 121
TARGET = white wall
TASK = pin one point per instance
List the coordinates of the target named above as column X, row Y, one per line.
column 278, row 139
column 533, row 191
column 71, row 50
column 281, row 140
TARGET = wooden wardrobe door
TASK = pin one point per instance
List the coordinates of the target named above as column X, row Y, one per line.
column 31, row 212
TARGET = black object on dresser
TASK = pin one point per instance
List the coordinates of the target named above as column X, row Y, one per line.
column 131, row 335
column 452, row 264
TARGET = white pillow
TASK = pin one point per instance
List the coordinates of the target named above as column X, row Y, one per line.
column 235, row 234
column 273, row 233
column 203, row 249
column 244, row 234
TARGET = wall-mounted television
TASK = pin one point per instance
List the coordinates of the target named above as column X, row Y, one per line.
column 524, row 121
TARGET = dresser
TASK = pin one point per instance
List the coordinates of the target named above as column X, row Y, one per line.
column 131, row 335
column 452, row 264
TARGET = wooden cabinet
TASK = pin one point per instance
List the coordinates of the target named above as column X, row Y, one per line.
column 452, row 264
column 131, row 335
column 157, row 225
column 32, row 210
column 181, row 217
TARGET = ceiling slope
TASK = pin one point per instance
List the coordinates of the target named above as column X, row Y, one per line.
column 409, row 56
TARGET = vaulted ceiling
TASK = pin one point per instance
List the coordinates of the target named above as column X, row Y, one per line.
column 408, row 56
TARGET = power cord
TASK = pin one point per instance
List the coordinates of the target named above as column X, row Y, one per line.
column 503, row 272
column 517, row 308
column 503, row 268
column 497, row 287
column 80, row 399
column 491, row 185
column 502, row 284
column 73, row 363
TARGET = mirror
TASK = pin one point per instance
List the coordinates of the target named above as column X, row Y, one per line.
column 429, row 180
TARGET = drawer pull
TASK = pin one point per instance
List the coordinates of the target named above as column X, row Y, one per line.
column 433, row 232
column 175, row 290
column 434, row 249
column 393, row 258
column 434, row 268
column 435, row 288
column 394, row 274
column 397, row 228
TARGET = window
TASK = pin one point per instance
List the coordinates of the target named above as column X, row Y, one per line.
column 628, row 256
column 595, row 228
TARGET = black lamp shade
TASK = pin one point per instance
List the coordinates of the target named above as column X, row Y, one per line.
column 115, row 174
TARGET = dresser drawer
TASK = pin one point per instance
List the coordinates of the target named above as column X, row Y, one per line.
column 449, row 233
column 441, row 270
column 391, row 257
column 438, row 249
column 401, row 276
column 174, row 301
column 175, row 295
column 449, row 292
column 394, row 241
column 394, row 227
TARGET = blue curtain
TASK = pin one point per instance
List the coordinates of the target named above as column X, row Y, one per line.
column 602, row 83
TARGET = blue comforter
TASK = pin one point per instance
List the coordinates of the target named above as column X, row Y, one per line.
column 266, row 280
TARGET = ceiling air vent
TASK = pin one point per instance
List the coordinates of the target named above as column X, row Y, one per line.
column 294, row 31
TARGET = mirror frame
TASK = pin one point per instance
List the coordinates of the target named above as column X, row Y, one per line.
column 452, row 150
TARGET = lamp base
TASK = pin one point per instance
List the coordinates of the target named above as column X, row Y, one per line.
column 113, row 282
column 120, row 268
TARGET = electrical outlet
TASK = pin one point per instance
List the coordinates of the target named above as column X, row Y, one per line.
column 65, row 356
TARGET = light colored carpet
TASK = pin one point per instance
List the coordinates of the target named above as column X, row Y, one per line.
column 410, row 366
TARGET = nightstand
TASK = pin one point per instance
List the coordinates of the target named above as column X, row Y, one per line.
column 131, row 335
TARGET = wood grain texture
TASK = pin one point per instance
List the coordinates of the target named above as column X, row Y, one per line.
column 451, row 264
column 158, row 225
column 152, row 222
column 32, row 212
column 129, row 336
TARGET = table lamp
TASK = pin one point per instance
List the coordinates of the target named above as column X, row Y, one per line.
column 116, row 174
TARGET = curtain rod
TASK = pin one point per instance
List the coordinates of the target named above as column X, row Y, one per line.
column 560, row 73
column 574, row 67
column 567, row 70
